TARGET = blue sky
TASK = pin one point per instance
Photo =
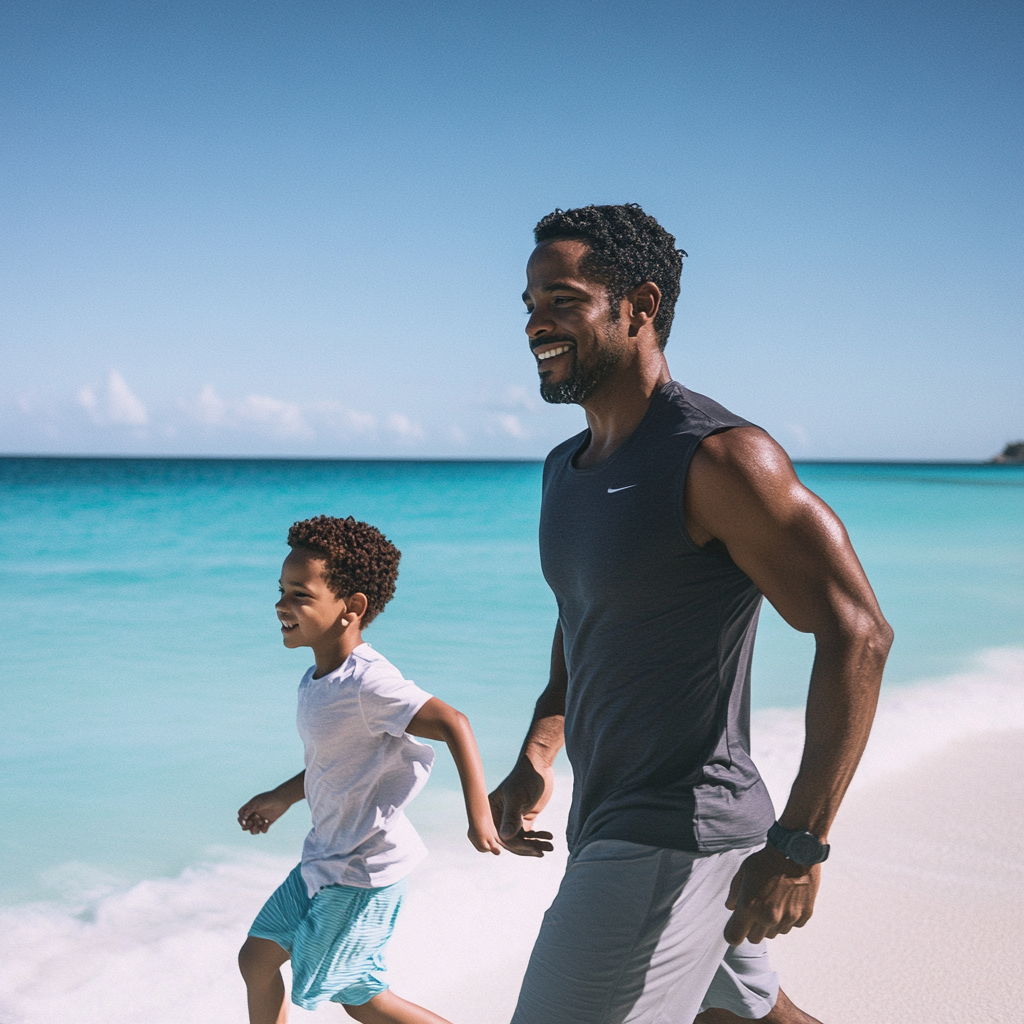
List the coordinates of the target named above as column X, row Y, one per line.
column 300, row 227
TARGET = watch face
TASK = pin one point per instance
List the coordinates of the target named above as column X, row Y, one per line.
column 804, row 849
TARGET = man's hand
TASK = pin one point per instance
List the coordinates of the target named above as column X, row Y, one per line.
column 515, row 804
column 770, row 895
column 262, row 811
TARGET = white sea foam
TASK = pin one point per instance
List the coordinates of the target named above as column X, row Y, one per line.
column 911, row 721
column 163, row 951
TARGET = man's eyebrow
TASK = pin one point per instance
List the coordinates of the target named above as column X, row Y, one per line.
column 555, row 286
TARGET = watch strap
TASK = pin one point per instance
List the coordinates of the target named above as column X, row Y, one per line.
column 802, row 848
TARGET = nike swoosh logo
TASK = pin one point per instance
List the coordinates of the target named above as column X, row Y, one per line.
column 615, row 490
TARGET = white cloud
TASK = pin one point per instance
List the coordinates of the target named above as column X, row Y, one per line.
column 342, row 420
column 282, row 419
column 518, row 397
column 800, row 434
column 264, row 414
column 361, row 422
column 122, row 405
column 404, row 427
column 116, row 403
column 512, row 399
column 510, row 425
column 210, row 408
column 88, row 401
column 268, row 415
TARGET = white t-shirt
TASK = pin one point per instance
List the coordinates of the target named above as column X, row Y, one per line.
column 362, row 769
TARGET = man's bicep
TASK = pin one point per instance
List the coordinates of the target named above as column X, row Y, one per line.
column 804, row 565
column 784, row 537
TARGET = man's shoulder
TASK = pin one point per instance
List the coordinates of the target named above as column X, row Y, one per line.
column 704, row 413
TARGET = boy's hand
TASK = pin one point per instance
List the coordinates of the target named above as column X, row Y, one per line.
column 261, row 812
column 484, row 836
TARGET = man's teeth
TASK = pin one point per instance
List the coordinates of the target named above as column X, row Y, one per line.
column 552, row 352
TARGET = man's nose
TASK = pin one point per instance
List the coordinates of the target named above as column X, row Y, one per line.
column 538, row 325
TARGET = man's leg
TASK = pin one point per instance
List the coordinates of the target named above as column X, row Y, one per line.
column 260, row 962
column 634, row 934
column 783, row 1012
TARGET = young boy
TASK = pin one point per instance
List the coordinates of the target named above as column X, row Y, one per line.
column 357, row 716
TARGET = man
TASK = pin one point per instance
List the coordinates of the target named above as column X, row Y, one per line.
column 662, row 526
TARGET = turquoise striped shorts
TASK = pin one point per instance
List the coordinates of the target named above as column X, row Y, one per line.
column 336, row 939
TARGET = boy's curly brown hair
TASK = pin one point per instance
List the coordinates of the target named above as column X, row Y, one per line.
column 360, row 559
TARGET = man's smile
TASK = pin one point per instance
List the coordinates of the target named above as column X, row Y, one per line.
column 552, row 350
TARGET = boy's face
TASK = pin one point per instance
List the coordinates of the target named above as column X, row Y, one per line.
column 309, row 611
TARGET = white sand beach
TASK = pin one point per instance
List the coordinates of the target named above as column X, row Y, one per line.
column 918, row 919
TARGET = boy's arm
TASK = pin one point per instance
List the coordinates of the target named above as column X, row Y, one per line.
column 438, row 721
column 264, row 809
column 528, row 787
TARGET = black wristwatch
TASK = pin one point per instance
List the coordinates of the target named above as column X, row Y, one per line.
column 800, row 847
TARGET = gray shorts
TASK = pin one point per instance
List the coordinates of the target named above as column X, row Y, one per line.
column 635, row 934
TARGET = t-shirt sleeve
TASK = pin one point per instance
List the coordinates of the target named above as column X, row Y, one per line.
column 387, row 700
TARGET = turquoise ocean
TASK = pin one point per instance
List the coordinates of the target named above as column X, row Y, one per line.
column 146, row 694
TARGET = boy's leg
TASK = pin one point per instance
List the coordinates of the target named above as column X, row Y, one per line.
column 260, row 962
column 387, row 1008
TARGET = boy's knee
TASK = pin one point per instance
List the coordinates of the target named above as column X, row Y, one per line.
column 259, row 957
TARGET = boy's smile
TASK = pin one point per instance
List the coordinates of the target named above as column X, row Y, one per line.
column 310, row 613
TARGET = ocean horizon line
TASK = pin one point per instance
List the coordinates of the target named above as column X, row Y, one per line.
column 442, row 460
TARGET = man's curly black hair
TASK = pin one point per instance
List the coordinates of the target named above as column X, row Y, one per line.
column 360, row 559
column 627, row 248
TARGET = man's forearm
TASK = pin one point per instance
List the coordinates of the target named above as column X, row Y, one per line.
column 841, row 705
column 546, row 735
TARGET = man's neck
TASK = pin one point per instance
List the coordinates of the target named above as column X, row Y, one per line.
column 615, row 411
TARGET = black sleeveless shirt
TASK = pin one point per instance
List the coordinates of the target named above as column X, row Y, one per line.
column 659, row 635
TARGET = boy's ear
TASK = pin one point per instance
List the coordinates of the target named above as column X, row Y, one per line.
column 356, row 604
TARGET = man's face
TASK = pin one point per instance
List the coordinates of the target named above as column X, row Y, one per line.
column 573, row 337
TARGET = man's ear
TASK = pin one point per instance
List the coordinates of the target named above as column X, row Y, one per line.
column 644, row 302
column 356, row 605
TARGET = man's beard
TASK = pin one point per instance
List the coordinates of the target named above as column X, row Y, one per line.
column 583, row 380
